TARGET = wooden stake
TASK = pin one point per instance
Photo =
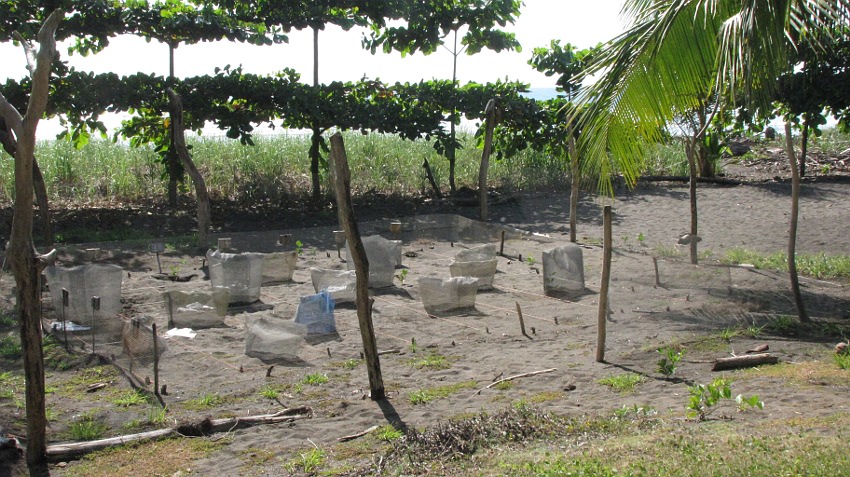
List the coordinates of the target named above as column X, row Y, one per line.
column 65, row 302
column 657, row 276
column 521, row 321
column 95, row 306
column 342, row 190
column 431, row 179
column 602, row 315
column 155, row 363
column 502, row 246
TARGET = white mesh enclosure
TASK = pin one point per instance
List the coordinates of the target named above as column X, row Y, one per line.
column 137, row 340
column 341, row 284
column 479, row 262
column 382, row 255
column 82, row 283
column 563, row 269
column 270, row 338
column 196, row 309
column 682, row 274
column 241, row 274
column 316, row 312
column 278, row 267
column 442, row 295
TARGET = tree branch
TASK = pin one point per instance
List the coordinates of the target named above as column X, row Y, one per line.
column 29, row 52
column 12, row 116
column 41, row 76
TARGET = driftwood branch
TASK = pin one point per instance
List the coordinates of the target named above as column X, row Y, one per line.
column 358, row 435
column 516, row 376
column 745, row 361
column 205, row 427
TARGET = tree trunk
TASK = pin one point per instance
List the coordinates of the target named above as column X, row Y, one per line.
column 202, row 196
column 26, row 265
column 490, row 113
column 706, row 168
column 10, row 145
column 792, row 226
column 361, row 266
column 692, row 192
column 575, row 184
column 804, row 143
column 451, row 151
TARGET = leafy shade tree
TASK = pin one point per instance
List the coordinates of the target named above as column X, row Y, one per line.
column 674, row 51
column 428, row 24
column 26, row 264
column 567, row 62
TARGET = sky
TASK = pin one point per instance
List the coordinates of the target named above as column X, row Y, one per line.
column 341, row 58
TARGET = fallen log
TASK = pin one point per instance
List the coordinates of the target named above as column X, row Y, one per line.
column 63, row 452
column 746, row 361
column 516, row 376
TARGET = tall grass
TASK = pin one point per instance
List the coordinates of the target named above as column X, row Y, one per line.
column 277, row 166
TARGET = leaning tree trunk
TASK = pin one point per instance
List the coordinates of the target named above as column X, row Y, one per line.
column 575, row 183
column 792, row 226
column 10, row 145
column 804, row 142
column 315, row 138
column 201, row 194
column 25, row 263
column 490, row 114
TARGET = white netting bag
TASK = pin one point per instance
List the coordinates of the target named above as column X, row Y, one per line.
column 82, row 283
column 441, row 295
column 382, row 255
column 241, row 273
column 270, row 338
column 479, row 262
column 278, row 267
column 341, row 284
column 197, row 309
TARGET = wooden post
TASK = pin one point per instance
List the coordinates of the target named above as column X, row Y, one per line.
column 657, row 276
column 502, row 246
column 155, row 362
column 521, row 321
column 430, row 176
column 66, row 300
column 575, row 180
column 342, row 189
column 490, row 112
column 601, row 317
column 95, row 306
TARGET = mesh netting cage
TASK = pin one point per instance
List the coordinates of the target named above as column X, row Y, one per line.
column 240, row 273
column 86, row 300
column 479, row 262
column 563, row 269
column 270, row 338
column 340, row 284
column 196, row 309
column 278, row 267
column 443, row 295
column 383, row 255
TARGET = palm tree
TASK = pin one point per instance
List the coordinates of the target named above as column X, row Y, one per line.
column 679, row 53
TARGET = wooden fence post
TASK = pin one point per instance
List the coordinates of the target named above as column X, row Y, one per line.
column 602, row 316
column 342, row 190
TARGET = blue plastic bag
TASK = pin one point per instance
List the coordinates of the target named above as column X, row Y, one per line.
column 316, row 312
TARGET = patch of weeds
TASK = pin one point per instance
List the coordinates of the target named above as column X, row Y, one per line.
column 413, row 347
column 727, row 334
column 818, row 265
column 10, row 348
column 635, row 411
column 388, row 433
column 545, row 396
column 433, row 361
column 307, row 462
column 351, row 363
column 256, row 457
column 754, row 331
column 402, row 275
column 55, row 356
column 624, row 382
column 204, row 401
column 842, row 360
column 165, row 457
column 504, row 385
column 10, row 384
column 783, row 324
column 666, row 251
column 315, row 379
column 157, row 416
column 8, row 320
column 269, row 392
column 87, row 428
column 424, row 396
column 805, row 373
column 669, row 361
column 130, row 398
column 704, row 398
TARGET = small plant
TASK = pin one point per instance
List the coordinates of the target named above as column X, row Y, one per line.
column 625, row 382
column 174, row 270
column 299, row 247
column 351, row 363
column 269, row 392
column 504, row 385
column 424, row 396
column 10, row 348
column 704, row 397
column 662, row 251
column 413, row 347
column 388, row 433
column 402, row 275
column 842, row 360
column 641, row 238
column 86, row 428
column 783, row 324
column 635, row 410
column 754, row 331
column 315, row 379
column 308, row 463
column 204, row 401
column 529, row 260
column 521, row 405
column 670, row 358
column 432, row 361
column 130, row 398
column 726, row 334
